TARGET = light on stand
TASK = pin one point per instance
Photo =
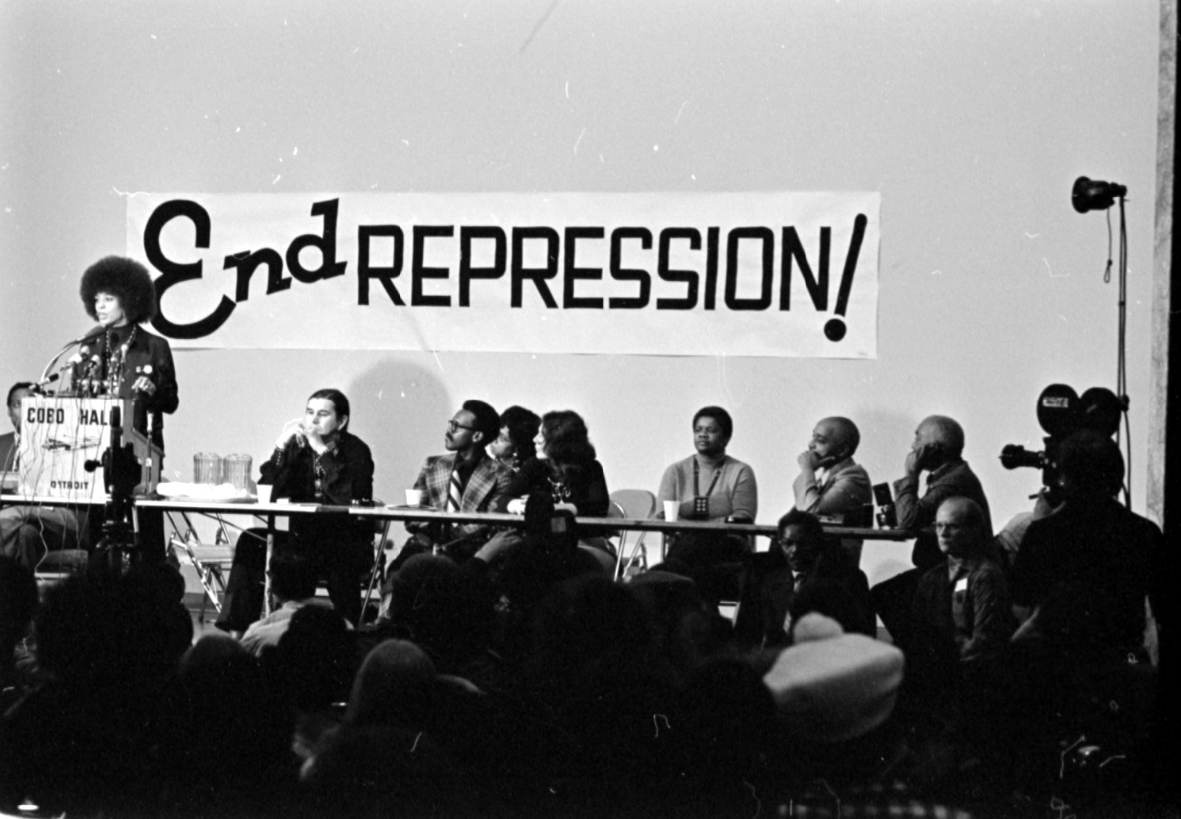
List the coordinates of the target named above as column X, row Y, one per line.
column 1091, row 194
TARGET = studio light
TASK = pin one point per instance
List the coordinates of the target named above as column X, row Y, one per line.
column 1091, row 194
column 1102, row 406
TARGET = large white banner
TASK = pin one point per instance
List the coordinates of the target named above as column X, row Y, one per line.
column 744, row 274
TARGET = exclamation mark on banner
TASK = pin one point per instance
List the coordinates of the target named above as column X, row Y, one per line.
column 834, row 328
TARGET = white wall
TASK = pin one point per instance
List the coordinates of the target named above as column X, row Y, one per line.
column 971, row 118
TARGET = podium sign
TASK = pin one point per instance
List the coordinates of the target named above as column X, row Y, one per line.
column 58, row 436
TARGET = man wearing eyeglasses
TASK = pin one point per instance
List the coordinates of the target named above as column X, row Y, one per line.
column 962, row 617
column 466, row 479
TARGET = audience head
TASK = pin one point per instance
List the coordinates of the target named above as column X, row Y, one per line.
column 563, row 438
column 293, row 577
column 943, row 437
column 328, row 412
column 314, row 658
column 833, row 440
column 220, row 692
column 16, row 394
column 518, row 427
column 117, row 635
column 1090, row 466
column 712, row 430
column 959, row 527
column 442, row 608
column 125, row 279
column 395, row 687
column 801, row 539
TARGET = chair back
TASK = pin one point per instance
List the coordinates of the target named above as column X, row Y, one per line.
column 637, row 504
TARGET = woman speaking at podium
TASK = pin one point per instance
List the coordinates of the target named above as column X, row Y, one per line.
column 126, row 361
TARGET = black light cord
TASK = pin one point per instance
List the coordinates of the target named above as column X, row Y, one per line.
column 1121, row 376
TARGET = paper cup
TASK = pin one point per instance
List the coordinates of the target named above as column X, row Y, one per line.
column 414, row 497
column 671, row 510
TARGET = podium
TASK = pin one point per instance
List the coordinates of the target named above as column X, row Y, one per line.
column 61, row 436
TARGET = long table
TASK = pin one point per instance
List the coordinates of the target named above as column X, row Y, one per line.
column 420, row 514
column 270, row 512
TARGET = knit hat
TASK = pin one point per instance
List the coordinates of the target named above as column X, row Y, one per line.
column 831, row 686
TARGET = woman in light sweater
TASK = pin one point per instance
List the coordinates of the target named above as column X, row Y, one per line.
column 710, row 485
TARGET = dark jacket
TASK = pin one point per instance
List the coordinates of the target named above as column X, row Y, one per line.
column 148, row 355
column 348, row 477
column 583, row 485
column 953, row 479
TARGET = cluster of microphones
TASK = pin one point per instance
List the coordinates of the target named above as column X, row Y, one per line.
column 84, row 367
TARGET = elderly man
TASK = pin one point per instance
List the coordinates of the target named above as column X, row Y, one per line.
column 830, row 483
column 28, row 532
column 961, row 613
column 937, row 449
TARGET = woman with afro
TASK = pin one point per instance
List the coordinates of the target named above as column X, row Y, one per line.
column 128, row 361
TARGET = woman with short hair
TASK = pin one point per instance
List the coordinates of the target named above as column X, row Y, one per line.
column 709, row 484
column 515, row 447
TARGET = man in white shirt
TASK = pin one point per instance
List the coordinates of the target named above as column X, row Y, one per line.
column 293, row 582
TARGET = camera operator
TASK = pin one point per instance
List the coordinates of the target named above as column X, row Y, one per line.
column 1087, row 566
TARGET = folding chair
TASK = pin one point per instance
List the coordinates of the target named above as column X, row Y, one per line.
column 637, row 504
column 210, row 562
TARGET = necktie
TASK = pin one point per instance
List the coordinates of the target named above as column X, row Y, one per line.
column 454, row 492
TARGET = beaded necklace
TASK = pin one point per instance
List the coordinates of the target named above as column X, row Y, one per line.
column 116, row 359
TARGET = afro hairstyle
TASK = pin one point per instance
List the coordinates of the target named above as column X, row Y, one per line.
column 124, row 278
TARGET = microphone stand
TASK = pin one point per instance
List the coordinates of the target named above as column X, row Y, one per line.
column 45, row 373
column 52, row 361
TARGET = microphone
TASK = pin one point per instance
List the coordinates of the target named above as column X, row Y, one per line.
column 90, row 336
column 40, row 386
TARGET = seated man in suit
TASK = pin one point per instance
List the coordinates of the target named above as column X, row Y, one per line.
column 803, row 566
column 831, row 483
column 27, row 533
column 938, row 450
column 465, row 479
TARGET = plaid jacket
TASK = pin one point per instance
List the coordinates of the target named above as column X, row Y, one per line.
column 485, row 490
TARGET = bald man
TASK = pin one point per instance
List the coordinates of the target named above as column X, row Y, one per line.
column 962, row 617
column 938, row 450
column 830, row 482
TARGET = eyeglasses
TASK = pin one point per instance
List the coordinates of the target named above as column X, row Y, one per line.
column 454, row 425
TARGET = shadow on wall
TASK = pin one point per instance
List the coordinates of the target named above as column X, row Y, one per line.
column 401, row 410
